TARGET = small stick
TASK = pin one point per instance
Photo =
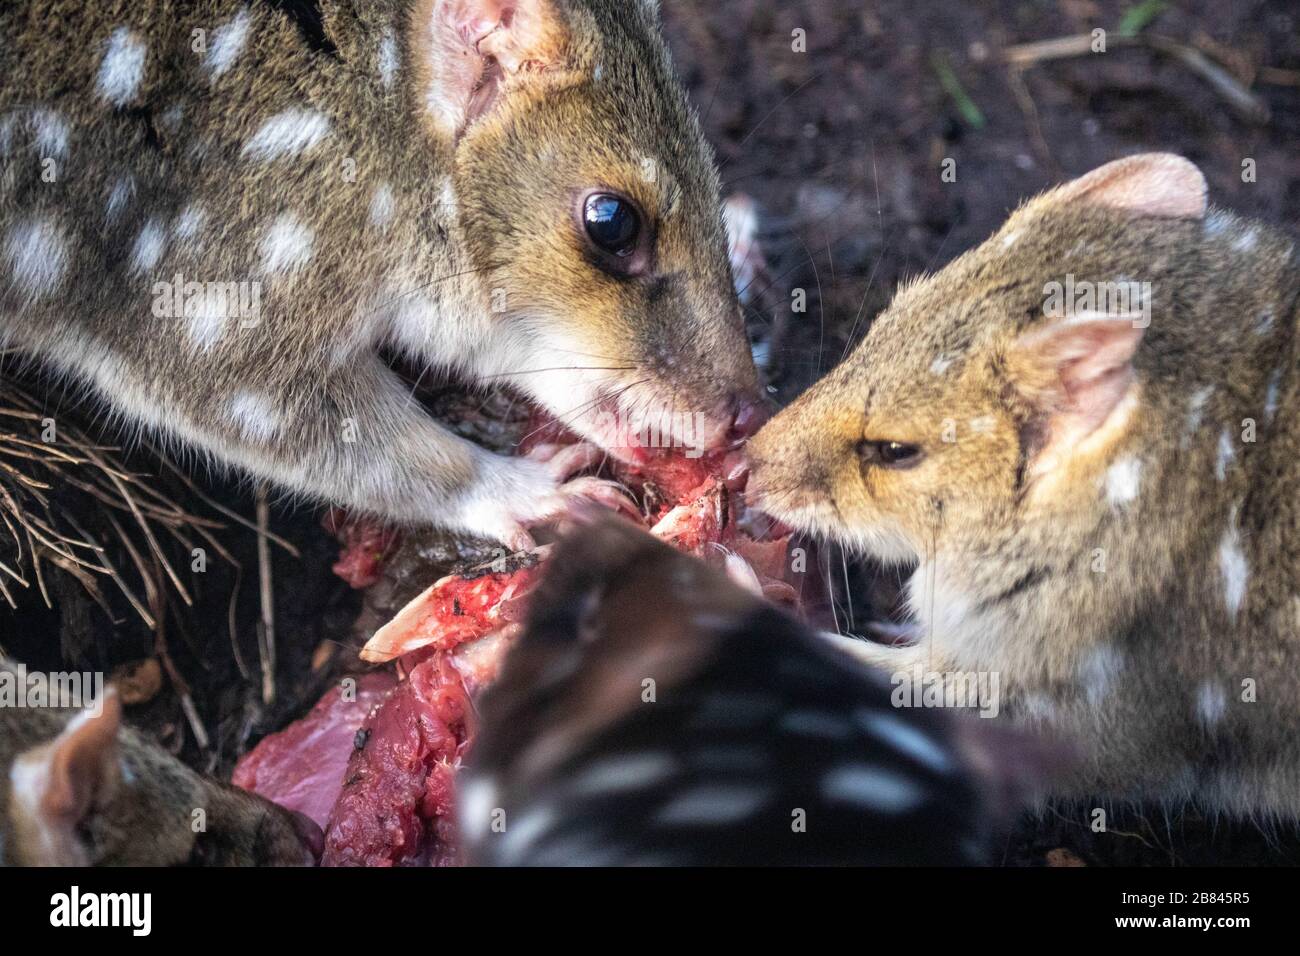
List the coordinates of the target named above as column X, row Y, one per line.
column 266, row 633
column 217, row 506
column 1246, row 104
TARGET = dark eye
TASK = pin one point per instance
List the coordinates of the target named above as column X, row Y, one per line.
column 613, row 224
column 890, row 454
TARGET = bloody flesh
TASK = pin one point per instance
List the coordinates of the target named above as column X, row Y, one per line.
column 365, row 546
column 393, row 803
column 300, row 767
column 395, row 806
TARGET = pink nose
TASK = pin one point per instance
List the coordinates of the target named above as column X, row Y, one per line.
column 751, row 414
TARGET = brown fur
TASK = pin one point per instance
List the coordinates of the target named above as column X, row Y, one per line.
column 479, row 269
column 78, row 791
column 1103, row 600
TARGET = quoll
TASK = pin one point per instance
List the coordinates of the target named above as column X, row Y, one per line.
column 706, row 727
column 1100, row 493
column 221, row 214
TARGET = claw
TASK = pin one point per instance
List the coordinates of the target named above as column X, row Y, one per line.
column 574, row 459
column 520, row 540
column 608, row 493
column 565, row 461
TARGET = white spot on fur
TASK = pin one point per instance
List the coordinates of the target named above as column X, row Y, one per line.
column 122, row 69
column 227, row 43
column 1233, row 566
column 207, row 316
column 1098, row 671
column 287, row 134
column 872, row 788
column 37, row 256
column 255, row 416
column 389, row 60
column 623, row 772
column 712, row 805
column 1123, row 480
column 940, row 365
column 1217, row 222
column 523, row 832
column 1227, row 455
column 382, row 206
column 1271, row 396
column 1010, row 238
column 1038, row 707
column 1196, row 410
column 287, row 245
column 149, row 245
column 1211, row 703
column 190, row 221
column 1246, row 241
column 172, row 116
column 474, row 806
column 906, row 738
column 51, row 134
column 118, row 197
column 448, row 198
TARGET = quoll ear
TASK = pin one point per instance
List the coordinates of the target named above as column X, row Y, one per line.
column 57, row 785
column 467, row 50
column 1159, row 185
column 84, row 769
column 1075, row 375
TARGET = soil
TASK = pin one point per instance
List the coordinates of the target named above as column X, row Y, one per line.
column 842, row 147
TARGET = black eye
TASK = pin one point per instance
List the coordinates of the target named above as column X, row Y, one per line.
column 890, row 454
column 613, row 224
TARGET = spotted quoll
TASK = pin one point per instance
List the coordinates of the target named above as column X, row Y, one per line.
column 710, row 728
column 220, row 214
column 1085, row 437
column 80, row 788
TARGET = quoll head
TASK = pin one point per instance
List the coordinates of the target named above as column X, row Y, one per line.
column 97, row 795
column 996, row 381
column 588, row 198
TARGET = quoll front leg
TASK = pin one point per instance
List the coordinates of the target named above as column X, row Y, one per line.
column 359, row 439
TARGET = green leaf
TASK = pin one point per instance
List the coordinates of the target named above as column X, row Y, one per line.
column 952, row 86
column 1136, row 19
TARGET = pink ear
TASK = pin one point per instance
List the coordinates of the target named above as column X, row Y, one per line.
column 467, row 50
column 83, row 763
column 1076, row 373
column 1161, row 185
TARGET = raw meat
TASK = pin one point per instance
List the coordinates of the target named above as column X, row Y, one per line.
column 392, row 805
column 302, row 766
column 366, row 544
column 396, row 801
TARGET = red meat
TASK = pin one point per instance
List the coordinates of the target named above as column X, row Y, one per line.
column 366, row 545
column 393, row 803
column 395, row 807
column 301, row 767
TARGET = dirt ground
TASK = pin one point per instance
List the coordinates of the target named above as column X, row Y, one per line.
column 841, row 146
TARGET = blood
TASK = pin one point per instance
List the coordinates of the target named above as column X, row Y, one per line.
column 393, row 801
